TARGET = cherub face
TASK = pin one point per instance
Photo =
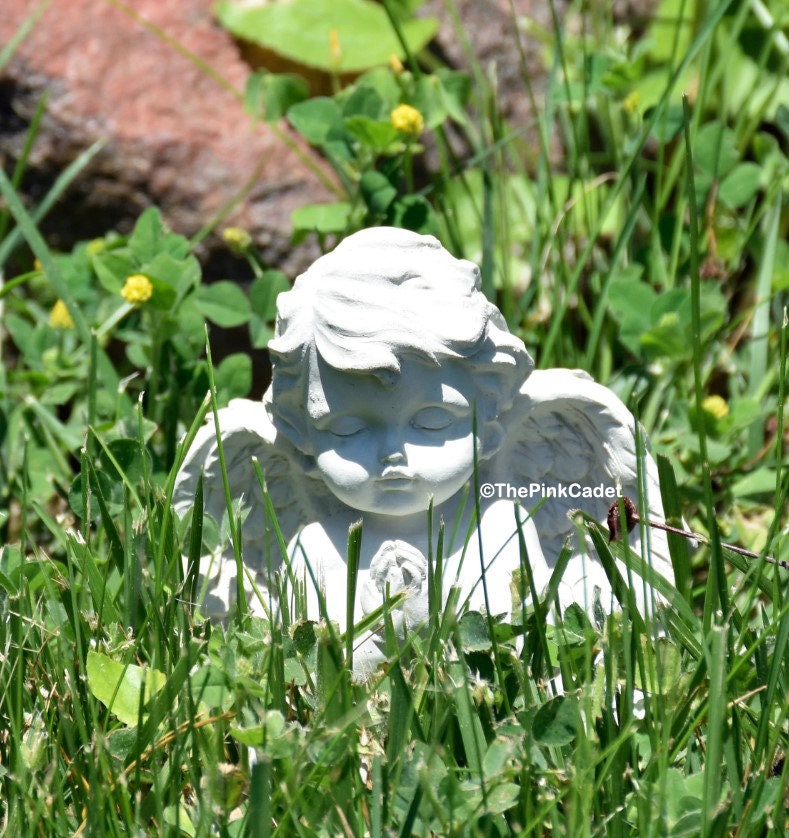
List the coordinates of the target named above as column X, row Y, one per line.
column 387, row 448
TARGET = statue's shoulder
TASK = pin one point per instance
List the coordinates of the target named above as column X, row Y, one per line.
column 240, row 452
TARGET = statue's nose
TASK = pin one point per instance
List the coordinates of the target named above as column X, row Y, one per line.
column 393, row 457
column 392, row 450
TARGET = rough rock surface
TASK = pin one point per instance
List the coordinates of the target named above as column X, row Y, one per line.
column 175, row 135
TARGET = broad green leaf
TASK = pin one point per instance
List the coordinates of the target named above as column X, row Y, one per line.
column 576, row 629
column 127, row 454
column 650, row 89
column 666, row 338
column 497, row 758
column 442, row 95
column 210, row 688
column 556, row 722
column 322, row 218
column 293, row 672
column 223, row 303
column 57, row 394
column 630, row 299
column 263, row 295
column 234, row 376
column 414, row 213
column 120, row 687
column 675, row 301
column 742, row 412
column 473, row 629
column 759, row 482
column 455, row 93
column 42, row 470
column 780, row 277
column 144, row 240
column 662, row 668
column 303, row 634
column 672, row 30
column 260, row 332
column 75, row 494
column 25, row 336
column 270, row 95
column 377, row 191
column 179, row 816
column 121, row 741
column 277, row 746
column 264, row 291
column 151, row 237
column 668, row 124
column 163, row 295
column 378, row 135
column 179, row 273
column 345, row 36
column 364, row 100
column 767, row 802
column 683, row 808
column 502, row 798
column 740, row 185
column 112, row 267
column 191, row 326
column 384, row 83
column 715, row 150
column 316, row 118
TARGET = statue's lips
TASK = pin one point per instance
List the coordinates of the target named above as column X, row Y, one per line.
column 396, row 478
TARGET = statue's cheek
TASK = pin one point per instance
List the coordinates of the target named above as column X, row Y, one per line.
column 340, row 470
column 456, row 455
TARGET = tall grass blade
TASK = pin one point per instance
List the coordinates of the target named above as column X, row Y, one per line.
column 672, row 509
column 716, row 652
column 716, row 586
column 354, row 553
column 757, row 364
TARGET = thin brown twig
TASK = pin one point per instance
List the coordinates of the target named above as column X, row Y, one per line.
column 632, row 518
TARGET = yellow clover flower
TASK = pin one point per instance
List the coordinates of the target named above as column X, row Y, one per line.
column 335, row 50
column 59, row 317
column 631, row 101
column 137, row 289
column 95, row 246
column 237, row 239
column 408, row 120
column 716, row 407
column 395, row 64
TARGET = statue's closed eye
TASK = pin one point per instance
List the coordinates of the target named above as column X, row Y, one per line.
column 432, row 419
column 346, row 426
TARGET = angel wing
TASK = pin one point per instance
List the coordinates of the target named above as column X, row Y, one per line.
column 566, row 433
column 247, row 431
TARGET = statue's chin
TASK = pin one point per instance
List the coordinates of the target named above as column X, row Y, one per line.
column 394, row 507
column 397, row 505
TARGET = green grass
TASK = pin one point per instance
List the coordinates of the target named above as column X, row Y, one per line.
column 655, row 258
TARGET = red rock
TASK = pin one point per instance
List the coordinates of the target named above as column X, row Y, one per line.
column 177, row 135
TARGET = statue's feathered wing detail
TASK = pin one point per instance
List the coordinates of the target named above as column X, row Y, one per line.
column 247, row 431
column 566, row 432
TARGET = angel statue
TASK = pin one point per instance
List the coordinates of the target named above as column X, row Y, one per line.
column 396, row 385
